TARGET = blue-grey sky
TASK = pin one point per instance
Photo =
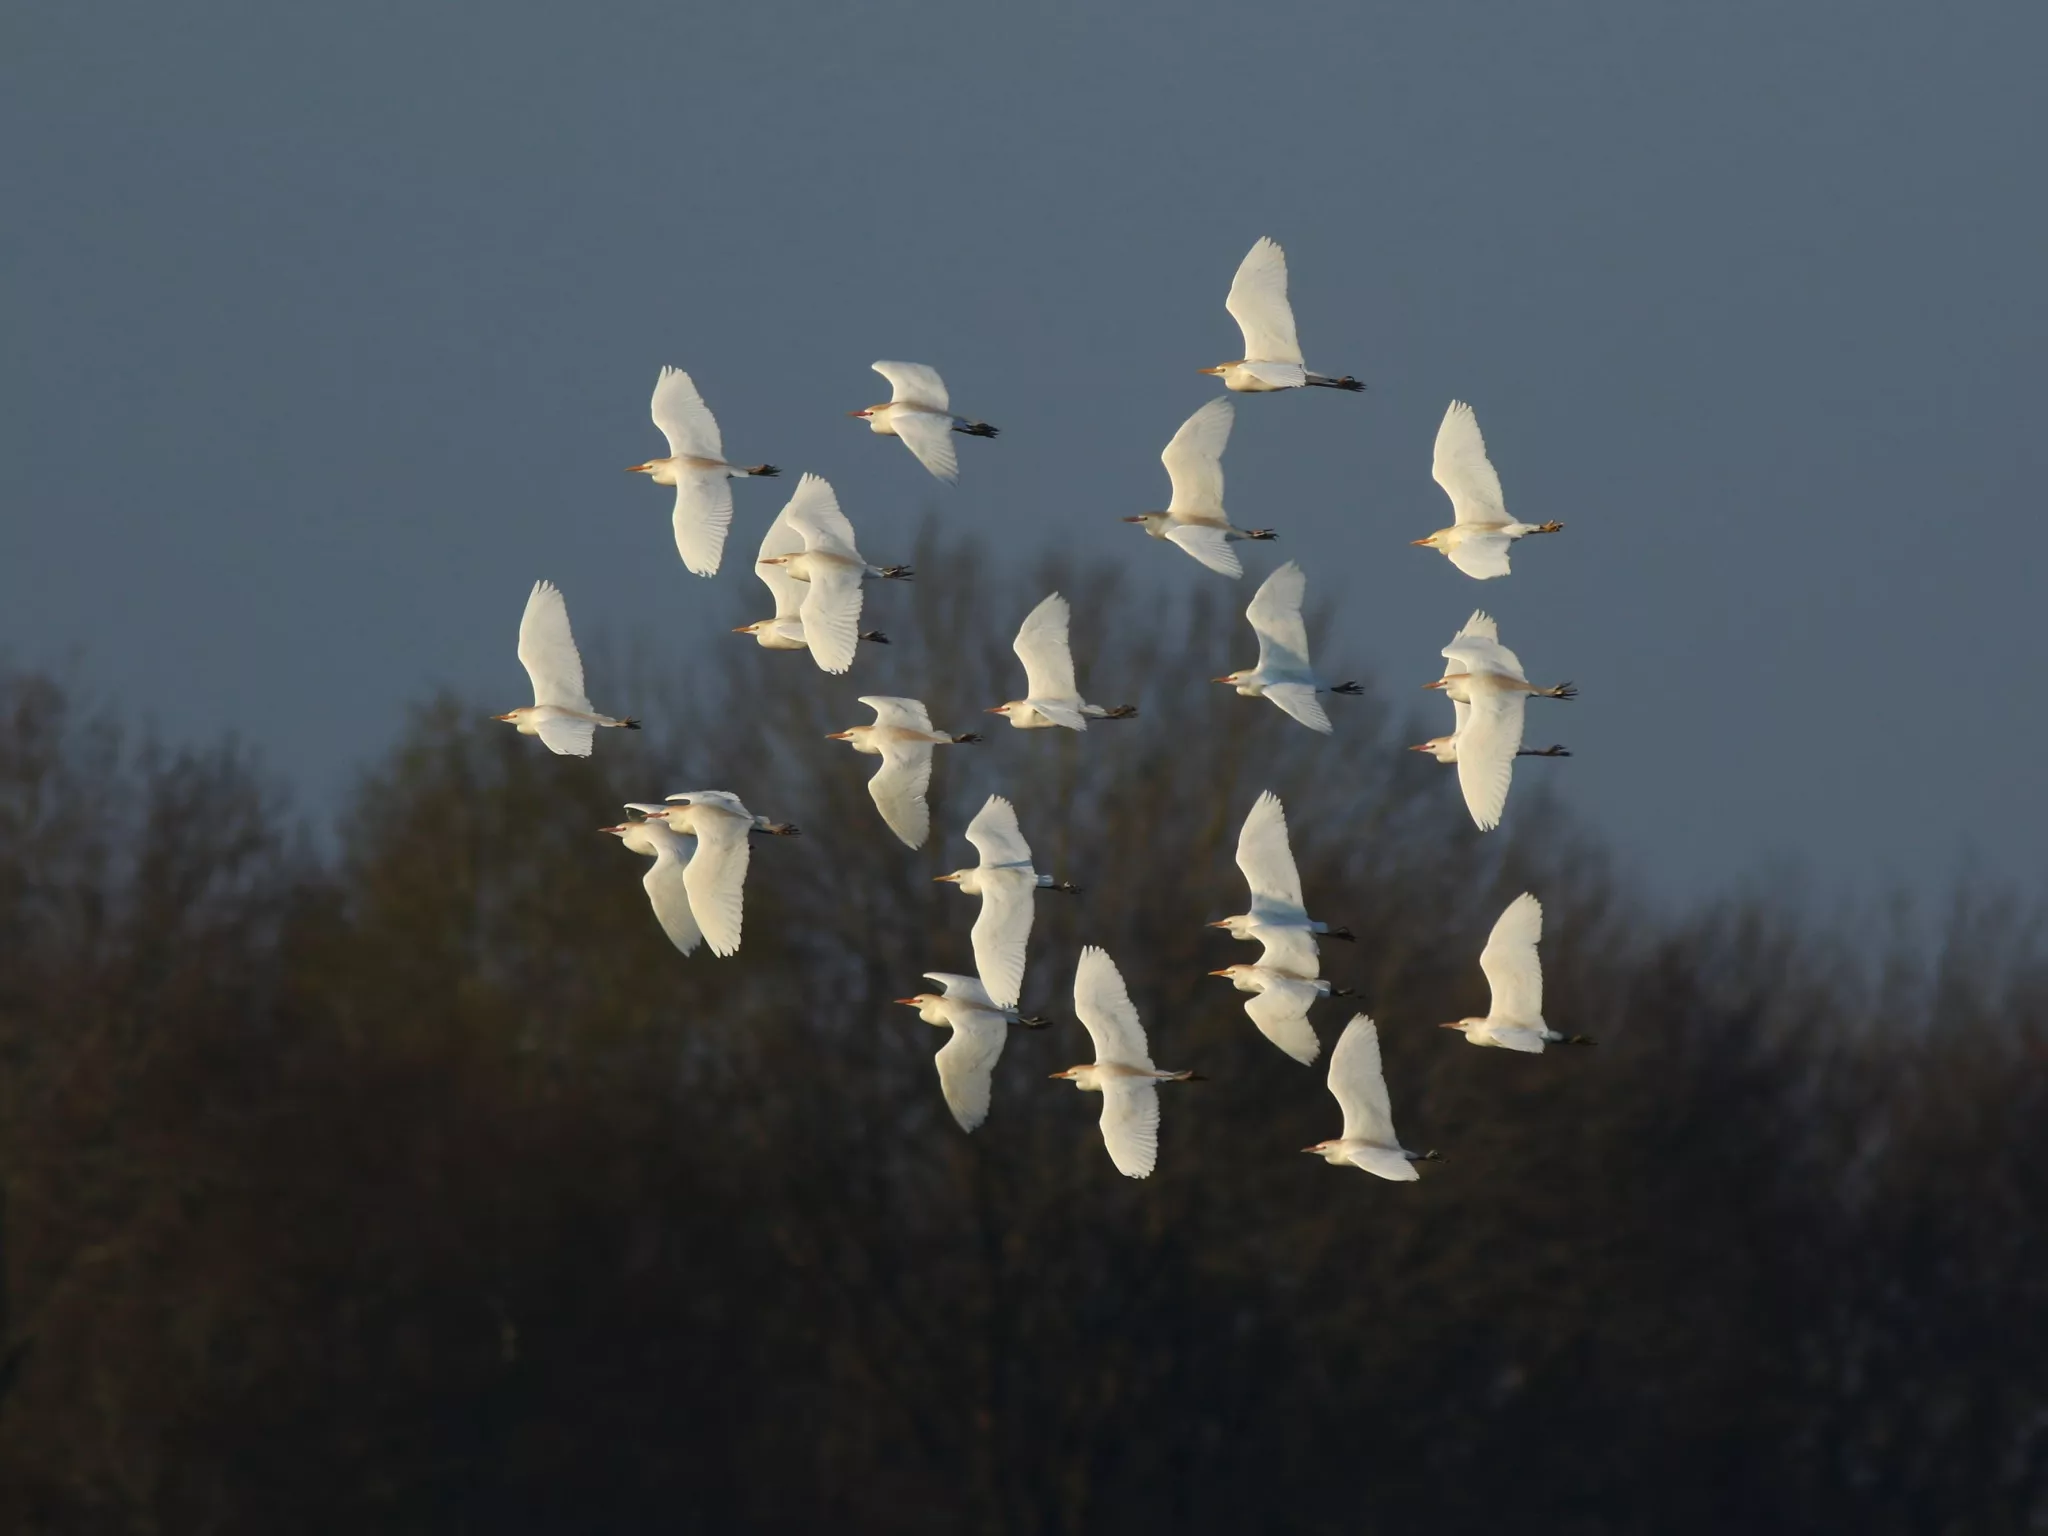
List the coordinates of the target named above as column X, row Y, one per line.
column 333, row 327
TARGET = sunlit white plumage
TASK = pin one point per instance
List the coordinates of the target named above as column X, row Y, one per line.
column 560, row 714
column 696, row 467
column 1005, row 881
column 1277, row 917
column 1481, row 531
column 980, row 1026
column 1051, row 695
column 716, row 875
column 1514, row 978
column 1283, row 674
column 1122, row 1071
column 830, row 567
column 1360, row 1089
column 664, row 880
column 1488, row 691
column 1272, row 354
column 902, row 736
column 1279, row 1006
column 1194, row 519
column 785, row 632
column 919, row 412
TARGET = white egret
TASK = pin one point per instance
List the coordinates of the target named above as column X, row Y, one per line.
column 1481, row 530
column 1485, row 683
column 919, row 412
column 1194, row 517
column 1360, row 1089
column 832, row 567
column 696, row 467
column 1005, row 881
column 1283, row 674
column 1051, row 695
column 1122, row 1071
column 902, row 736
column 716, row 876
column 785, row 632
column 560, row 714
column 664, row 881
column 1272, row 355
column 1277, row 919
column 1280, row 1006
column 980, row 1026
column 1514, row 978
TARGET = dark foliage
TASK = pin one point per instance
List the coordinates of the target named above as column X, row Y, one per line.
column 424, row 1189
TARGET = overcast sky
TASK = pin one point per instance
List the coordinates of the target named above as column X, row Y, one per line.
column 333, row 327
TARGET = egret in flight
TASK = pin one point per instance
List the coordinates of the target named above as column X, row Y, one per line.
column 967, row 1062
column 1277, row 919
column 1360, row 1089
column 696, row 467
column 918, row 412
column 1514, row 978
column 1051, row 696
column 1481, row 530
column 560, row 714
column 1488, row 690
column 1005, row 882
column 833, row 569
column 785, row 632
column 1283, row 674
column 1194, row 518
column 902, row 736
column 1122, row 1071
column 1272, row 355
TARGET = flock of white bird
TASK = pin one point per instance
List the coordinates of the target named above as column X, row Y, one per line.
column 700, row 840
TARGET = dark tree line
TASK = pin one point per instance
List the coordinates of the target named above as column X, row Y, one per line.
column 421, row 1187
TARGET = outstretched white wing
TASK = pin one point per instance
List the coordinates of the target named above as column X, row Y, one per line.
column 548, row 651
column 1267, row 861
column 716, row 877
column 957, row 985
column 813, row 510
column 1105, row 1011
column 1513, row 971
column 1002, row 931
column 1290, row 951
column 685, row 420
column 1482, row 556
column 915, row 384
column 702, row 517
column 1487, row 743
column 1300, row 702
column 830, row 611
column 996, row 835
column 1130, row 1124
column 1359, row 1086
column 782, row 538
column 903, row 714
column 931, row 439
column 1466, row 474
column 967, row 1064
column 1477, row 648
column 668, row 891
column 1194, row 460
column 1258, row 303
column 1208, row 544
column 899, row 787
column 1275, row 615
column 1281, row 1013
column 1048, row 657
